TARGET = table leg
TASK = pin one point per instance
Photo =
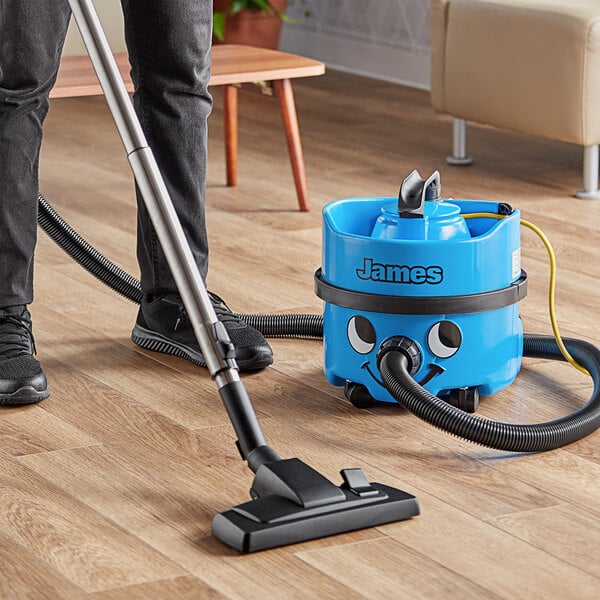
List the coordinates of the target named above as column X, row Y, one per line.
column 285, row 93
column 230, row 111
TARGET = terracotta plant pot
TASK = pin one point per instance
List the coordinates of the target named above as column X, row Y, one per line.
column 252, row 28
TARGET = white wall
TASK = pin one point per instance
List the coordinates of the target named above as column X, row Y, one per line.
column 110, row 14
column 385, row 39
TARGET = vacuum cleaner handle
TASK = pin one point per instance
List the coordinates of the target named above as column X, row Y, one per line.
column 217, row 349
column 291, row 501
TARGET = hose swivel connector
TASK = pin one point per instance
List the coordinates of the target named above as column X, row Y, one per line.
column 410, row 349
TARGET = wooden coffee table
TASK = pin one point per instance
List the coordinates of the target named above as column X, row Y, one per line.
column 232, row 65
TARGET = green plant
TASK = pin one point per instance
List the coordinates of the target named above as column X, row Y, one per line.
column 237, row 6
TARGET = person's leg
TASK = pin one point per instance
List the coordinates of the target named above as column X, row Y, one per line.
column 169, row 50
column 31, row 38
column 169, row 47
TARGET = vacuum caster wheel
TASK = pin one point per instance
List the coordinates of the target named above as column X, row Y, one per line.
column 358, row 395
column 466, row 398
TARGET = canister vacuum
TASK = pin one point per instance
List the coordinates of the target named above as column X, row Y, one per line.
column 415, row 274
column 421, row 308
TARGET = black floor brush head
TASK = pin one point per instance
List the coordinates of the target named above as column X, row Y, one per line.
column 272, row 521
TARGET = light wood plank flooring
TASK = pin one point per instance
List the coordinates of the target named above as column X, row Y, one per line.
column 108, row 488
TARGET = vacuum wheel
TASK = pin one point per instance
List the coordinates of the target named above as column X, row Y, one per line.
column 465, row 398
column 359, row 395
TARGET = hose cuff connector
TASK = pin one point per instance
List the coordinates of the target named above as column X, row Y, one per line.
column 410, row 349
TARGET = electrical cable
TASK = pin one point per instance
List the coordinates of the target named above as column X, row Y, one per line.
column 551, row 284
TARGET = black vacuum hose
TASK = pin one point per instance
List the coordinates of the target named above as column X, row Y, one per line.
column 536, row 437
column 87, row 256
column 286, row 325
column 275, row 326
column 501, row 436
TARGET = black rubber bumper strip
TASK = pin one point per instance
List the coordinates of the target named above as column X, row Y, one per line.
column 421, row 305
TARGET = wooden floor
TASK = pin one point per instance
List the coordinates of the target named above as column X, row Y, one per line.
column 109, row 487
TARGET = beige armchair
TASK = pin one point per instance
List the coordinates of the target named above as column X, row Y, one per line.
column 532, row 66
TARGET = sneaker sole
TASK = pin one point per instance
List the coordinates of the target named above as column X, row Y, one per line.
column 150, row 340
column 24, row 395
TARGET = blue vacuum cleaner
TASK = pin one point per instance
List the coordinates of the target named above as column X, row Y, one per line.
column 414, row 273
column 421, row 308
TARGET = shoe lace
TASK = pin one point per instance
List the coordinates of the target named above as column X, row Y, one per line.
column 223, row 312
column 16, row 338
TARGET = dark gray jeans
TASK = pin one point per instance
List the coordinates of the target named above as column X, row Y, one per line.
column 169, row 51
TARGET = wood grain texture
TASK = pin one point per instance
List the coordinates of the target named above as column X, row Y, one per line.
column 25, row 576
column 231, row 64
column 108, row 488
column 28, row 431
column 182, row 588
column 403, row 573
column 569, row 533
column 175, row 521
column 489, row 557
column 84, row 548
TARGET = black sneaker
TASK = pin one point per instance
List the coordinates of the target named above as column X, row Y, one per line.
column 22, row 380
column 163, row 326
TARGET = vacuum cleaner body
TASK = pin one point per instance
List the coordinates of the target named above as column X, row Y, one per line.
column 415, row 269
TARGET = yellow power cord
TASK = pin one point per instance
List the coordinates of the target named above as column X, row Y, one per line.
column 551, row 285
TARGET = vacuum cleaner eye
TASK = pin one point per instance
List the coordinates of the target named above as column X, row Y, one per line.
column 444, row 339
column 361, row 334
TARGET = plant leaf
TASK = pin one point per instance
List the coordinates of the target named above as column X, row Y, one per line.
column 219, row 25
column 237, row 6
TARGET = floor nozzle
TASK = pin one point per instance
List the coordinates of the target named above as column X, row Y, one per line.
column 294, row 503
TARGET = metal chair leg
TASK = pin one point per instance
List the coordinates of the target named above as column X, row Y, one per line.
column 590, row 189
column 459, row 144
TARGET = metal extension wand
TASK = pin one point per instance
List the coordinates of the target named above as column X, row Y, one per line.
column 211, row 334
column 292, row 502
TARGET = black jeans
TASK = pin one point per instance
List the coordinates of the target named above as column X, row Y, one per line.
column 169, row 51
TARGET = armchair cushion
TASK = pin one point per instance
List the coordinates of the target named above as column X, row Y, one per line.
column 532, row 66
